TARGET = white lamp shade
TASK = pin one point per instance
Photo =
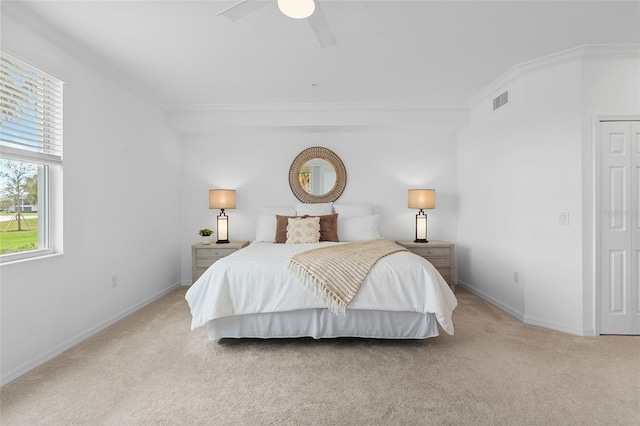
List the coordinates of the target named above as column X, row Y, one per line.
column 422, row 198
column 222, row 199
column 297, row 9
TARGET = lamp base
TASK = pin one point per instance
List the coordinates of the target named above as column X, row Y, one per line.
column 420, row 241
column 222, row 242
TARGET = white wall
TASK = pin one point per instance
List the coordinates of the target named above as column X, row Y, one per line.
column 610, row 89
column 381, row 163
column 519, row 167
column 121, row 214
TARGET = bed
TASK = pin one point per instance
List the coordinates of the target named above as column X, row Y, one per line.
column 254, row 293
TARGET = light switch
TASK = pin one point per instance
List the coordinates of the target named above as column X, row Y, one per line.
column 564, row 218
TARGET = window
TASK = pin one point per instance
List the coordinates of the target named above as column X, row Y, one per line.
column 30, row 160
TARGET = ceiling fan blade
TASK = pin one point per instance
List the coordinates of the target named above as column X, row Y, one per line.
column 320, row 26
column 242, row 9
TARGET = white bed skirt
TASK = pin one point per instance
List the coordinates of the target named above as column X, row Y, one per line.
column 321, row 323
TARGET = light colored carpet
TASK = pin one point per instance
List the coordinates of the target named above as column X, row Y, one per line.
column 150, row 370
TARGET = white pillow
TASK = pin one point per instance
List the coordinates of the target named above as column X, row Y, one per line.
column 318, row 209
column 358, row 228
column 266, row 228
column 303, row 231
column 282, row 211
column 353, row 209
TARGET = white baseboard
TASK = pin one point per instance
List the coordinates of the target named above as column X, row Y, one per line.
column 508, row 309
column 527, row 319
column 556, row 327
column 49, row 355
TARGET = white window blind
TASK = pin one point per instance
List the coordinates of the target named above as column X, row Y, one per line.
column 31, row 115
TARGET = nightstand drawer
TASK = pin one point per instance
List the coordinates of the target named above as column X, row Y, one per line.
column 444, row 262
column 213, row 254
column 206, row 262
column 205, row 255
column 430, row 252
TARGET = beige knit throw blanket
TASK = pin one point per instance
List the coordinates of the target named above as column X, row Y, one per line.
column 336, row 273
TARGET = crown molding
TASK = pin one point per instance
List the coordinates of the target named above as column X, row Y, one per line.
column 579, row 53
column 311, row 107
column 310, row 117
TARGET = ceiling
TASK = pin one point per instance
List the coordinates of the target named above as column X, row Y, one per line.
column 436, row 54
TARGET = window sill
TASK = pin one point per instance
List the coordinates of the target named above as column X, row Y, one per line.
column 8, row 259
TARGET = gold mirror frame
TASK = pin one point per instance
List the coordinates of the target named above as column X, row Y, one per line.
column 310, row 154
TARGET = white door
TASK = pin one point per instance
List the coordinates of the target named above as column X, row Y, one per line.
column 620, row 227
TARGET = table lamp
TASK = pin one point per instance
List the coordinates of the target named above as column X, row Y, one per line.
column 422, row 199
column 222, row 199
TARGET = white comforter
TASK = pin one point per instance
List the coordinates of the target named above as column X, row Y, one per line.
column 256, row 280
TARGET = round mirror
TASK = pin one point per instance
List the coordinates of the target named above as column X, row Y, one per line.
column 317, row 175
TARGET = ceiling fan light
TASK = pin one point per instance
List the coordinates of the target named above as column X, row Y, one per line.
column 297, row 9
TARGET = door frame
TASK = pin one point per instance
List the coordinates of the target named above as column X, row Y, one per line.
column 597, row 208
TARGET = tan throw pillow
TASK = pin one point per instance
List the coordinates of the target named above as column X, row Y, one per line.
column 328, row 227
column 303, row 230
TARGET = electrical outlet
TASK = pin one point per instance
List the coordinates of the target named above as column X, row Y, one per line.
column 114, row 281
column 516, row 277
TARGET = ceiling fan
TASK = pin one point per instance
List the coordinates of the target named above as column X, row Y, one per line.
column 298, row 9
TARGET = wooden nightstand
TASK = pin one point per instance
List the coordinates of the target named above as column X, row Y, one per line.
column 441, row 254
column 203, row 256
